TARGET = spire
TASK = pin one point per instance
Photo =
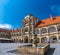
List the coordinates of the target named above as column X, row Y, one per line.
column 51, row 17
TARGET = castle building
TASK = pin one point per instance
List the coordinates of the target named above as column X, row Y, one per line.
column 47, row 30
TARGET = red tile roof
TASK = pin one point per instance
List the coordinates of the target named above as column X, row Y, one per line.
column 48, row 21
column 4, row 30
column 15, row 30
column 8, row 31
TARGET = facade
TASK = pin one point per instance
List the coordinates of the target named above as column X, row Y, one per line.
column 5, row 35
column 47, row 30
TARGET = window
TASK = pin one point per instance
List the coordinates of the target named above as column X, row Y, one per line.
column 26, row 21
column 36, row 31
column 31, row 20
column 31, row 28
column 23, row 31
column 26, row 29
column 43, row 30
column 51, row 29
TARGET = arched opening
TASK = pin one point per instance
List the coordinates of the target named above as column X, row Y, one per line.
column 26, row 21
column 20, row 40
column 44, row 40
column 36, row 31
column 51, row 29
column 38, row 40
column 31, row 20
column 58, row 28
column 31, row 41
column 43, row 30
column 53, row 39
column 26, row 29
column 26, row 39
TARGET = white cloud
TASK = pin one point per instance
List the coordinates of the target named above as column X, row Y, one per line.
column 6, row 26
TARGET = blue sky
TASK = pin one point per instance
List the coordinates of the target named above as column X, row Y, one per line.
column 12, row 12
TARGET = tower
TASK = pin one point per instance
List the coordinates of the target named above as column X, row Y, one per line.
column 29, row 23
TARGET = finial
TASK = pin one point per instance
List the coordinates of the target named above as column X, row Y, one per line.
column 51, row 17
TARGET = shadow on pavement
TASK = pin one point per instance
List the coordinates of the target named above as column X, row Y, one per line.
column 50, row 51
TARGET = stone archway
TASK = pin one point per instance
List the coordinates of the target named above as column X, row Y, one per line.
column 38, row 40
column 20, row 40
column 51, row 29
column 26, row 39
column 53, row 39
column 44, row 40
column 31, row 40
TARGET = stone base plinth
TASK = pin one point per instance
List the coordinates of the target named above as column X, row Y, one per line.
column 34, row 50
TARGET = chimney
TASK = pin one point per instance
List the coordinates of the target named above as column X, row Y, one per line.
column 51, row 17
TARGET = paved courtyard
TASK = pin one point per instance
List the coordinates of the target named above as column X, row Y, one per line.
column 4, row 47
column 55, row 49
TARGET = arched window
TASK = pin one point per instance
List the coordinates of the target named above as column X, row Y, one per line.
column 44, row 40
column 36, row 31
column 26, row 29
column 31, row 20
column 43, row 30
column 26, row 21
column 26, row 39
column 23, row 31
column 30, row 28
column 51, row 29
column 53, row 39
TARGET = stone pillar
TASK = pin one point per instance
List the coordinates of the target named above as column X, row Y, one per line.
column 57, row 38
column 56, row 28
column 40, row 39
column 57, row 33
column 47, row 38
column 47, row 35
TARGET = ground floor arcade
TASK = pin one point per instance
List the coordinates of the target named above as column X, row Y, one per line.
column 49, row 39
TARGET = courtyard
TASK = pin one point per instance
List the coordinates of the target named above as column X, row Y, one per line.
column 5, row 47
